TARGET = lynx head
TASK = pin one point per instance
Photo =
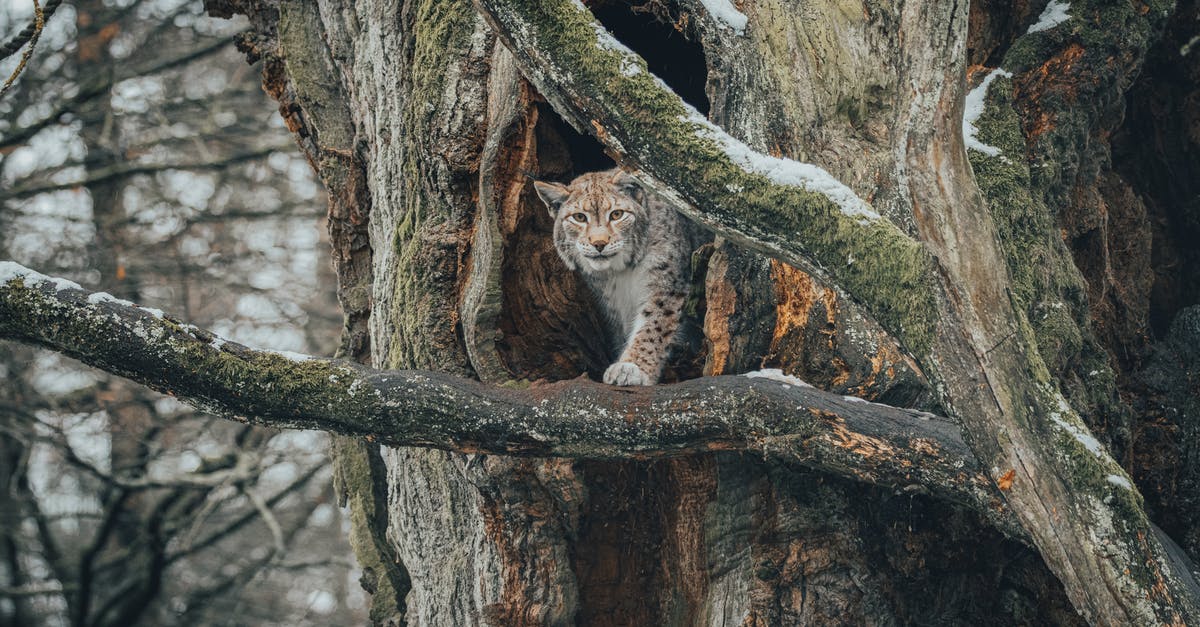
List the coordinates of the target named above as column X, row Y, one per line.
column 599, row 220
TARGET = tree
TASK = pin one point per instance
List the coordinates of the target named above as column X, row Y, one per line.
column 129, row 161
column 921, row 265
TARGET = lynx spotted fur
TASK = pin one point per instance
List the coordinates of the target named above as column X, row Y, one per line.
column 634, row 251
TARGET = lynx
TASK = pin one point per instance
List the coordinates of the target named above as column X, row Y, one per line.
column 634, row 251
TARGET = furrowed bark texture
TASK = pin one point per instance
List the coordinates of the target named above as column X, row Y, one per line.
column 962, row 299
column 299, row 71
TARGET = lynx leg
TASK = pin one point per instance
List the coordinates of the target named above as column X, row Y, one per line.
column 642, row 361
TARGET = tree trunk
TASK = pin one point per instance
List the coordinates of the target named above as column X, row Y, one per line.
column 421, row 124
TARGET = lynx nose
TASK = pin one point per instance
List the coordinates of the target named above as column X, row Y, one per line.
column 599, row 244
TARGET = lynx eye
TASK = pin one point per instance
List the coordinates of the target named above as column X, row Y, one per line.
column 616, row 215
column 579, row 217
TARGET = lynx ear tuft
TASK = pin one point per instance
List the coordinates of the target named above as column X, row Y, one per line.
column 553, row 194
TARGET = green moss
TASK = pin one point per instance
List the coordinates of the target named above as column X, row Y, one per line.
column 309, row 69
column 1045, row 283
column 421, row 300
column 315, row 387
column 359, row 479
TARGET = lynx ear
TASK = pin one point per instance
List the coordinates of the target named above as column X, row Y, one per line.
column 553, row 194
column 628, row 185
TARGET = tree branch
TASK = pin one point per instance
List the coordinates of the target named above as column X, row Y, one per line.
column 576, row 419
column 100, row 85
column 126, row 170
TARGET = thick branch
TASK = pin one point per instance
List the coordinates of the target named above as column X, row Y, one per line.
column 792, row 211
column 578, row 419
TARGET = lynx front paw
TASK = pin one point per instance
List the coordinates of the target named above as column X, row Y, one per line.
column 626, row 373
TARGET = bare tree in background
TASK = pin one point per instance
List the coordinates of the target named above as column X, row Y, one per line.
column 120, row 505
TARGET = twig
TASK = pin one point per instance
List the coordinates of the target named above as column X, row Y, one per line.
column 268, row 517
column 39, row 22
column 31, row 31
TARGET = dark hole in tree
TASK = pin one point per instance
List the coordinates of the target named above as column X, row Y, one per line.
column 649, row 29
column 563, row 152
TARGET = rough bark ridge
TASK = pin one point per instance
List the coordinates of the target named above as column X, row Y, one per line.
column 925, row 292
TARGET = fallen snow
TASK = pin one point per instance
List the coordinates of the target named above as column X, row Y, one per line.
column 855, row 399
column 629, row 67
column 606, row 40
column 726, row 12
column 1055, row 14
column 775, row 374
column 292, row 356
column 1119, row 481
column 96, row 298
column 778, row 170
column 785, row 171
column 10, row 270
column 1079, row 433
column 974, row 109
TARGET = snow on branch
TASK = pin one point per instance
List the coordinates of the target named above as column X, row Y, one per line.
column 972, row 110
column 727, row 14
column 767, row 414
column 792, row 211
column 1054, row 14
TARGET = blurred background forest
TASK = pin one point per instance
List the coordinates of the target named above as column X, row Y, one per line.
column 139, row 156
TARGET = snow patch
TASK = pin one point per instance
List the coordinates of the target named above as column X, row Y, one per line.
column 1079, row 433
column 783, row 171
column 778, row 170
column 63, row 284
column 292, row 356
column 10, row 270
column 629, row 67
column 1055, row 14
column 775, row 374
column 95, row 298
column 855, row 399
column 974, row 108
column 1119, row 481
column 606, row 40
column 727, row 13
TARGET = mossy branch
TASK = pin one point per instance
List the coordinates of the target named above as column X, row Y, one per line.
column 576, row 419
column 787, row 210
